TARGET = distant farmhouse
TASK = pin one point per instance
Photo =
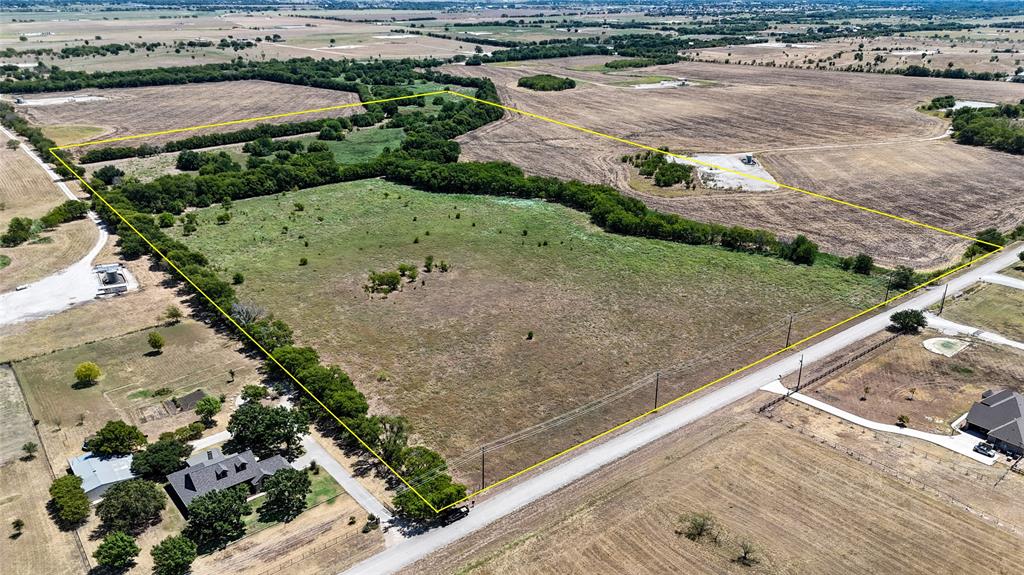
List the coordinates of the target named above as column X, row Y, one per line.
column 999, row 416
column 99, row 473
column 213, row 470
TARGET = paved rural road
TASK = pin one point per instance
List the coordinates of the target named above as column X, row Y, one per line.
column 588, row 460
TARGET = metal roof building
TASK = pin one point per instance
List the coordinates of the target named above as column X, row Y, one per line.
column 99, row 473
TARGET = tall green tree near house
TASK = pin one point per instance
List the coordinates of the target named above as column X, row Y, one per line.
column 116, row 438
column 286, row 493
column 207, row 408
column 131, row 506
column 173, row 556
column 70, row 504
column 117, row 551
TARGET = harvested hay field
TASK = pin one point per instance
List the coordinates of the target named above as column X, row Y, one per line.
column 904, row 378
column 455, row 355
column 132, row 111
column 789, row 116
column 806, row 508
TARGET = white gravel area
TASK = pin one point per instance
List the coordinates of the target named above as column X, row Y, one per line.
column 728, row 172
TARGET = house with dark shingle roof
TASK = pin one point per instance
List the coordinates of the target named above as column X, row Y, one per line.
column 213, row 470
column 999, row 416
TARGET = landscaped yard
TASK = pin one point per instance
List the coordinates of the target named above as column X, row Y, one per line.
column 540, row 313
column 194, row 357
column 323, row 490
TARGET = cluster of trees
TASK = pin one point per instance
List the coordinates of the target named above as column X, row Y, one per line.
column 606, row 206
column 1000, row 128
column 546, row 83
column 207, row 163
column 657, row 167
column 941, row 103
column 20, row 230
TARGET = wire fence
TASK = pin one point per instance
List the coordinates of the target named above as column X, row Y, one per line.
column 499, row 458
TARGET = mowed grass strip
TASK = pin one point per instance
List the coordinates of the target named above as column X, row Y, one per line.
column 451, row 351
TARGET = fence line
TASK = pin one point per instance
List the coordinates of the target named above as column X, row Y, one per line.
column 898, row 475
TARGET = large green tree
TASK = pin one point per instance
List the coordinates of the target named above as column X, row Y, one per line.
column 161, row 459
column 116, row 438
column 131, row 505
column 68, row 501
column 117, row 551
column 266, row 430
column 173, row 556
column 206, row 408
column 215, row 519
column 286, row 495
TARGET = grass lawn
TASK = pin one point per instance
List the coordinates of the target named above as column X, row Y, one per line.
column 453, row 348
column 992, row 307
column 364, row 144
column 323, row 489
column 63, row 135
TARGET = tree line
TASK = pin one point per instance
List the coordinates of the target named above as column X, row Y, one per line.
column 37, row 139
column 999, row 128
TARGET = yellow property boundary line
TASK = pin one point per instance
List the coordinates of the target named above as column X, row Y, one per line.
column 559, row 123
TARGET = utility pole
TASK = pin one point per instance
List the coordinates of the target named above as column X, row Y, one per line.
column 888, row 285
column 482, row 467
column 942, row 304
column 657, row 384
column 800, row 373
column 789, row 331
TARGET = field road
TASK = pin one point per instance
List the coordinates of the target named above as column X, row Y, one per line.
column 588, row 460
column 73, row 285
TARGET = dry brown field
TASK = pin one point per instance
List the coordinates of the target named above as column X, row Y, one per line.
column 904, row 378
column 302, row 37
column 805, row 506
column 133, row 111
column 973, row 52
column 25, row 189
column 858, row 138
column 41, row 547
column 54, row 251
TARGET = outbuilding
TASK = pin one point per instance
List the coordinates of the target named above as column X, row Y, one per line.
column 100, row 473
